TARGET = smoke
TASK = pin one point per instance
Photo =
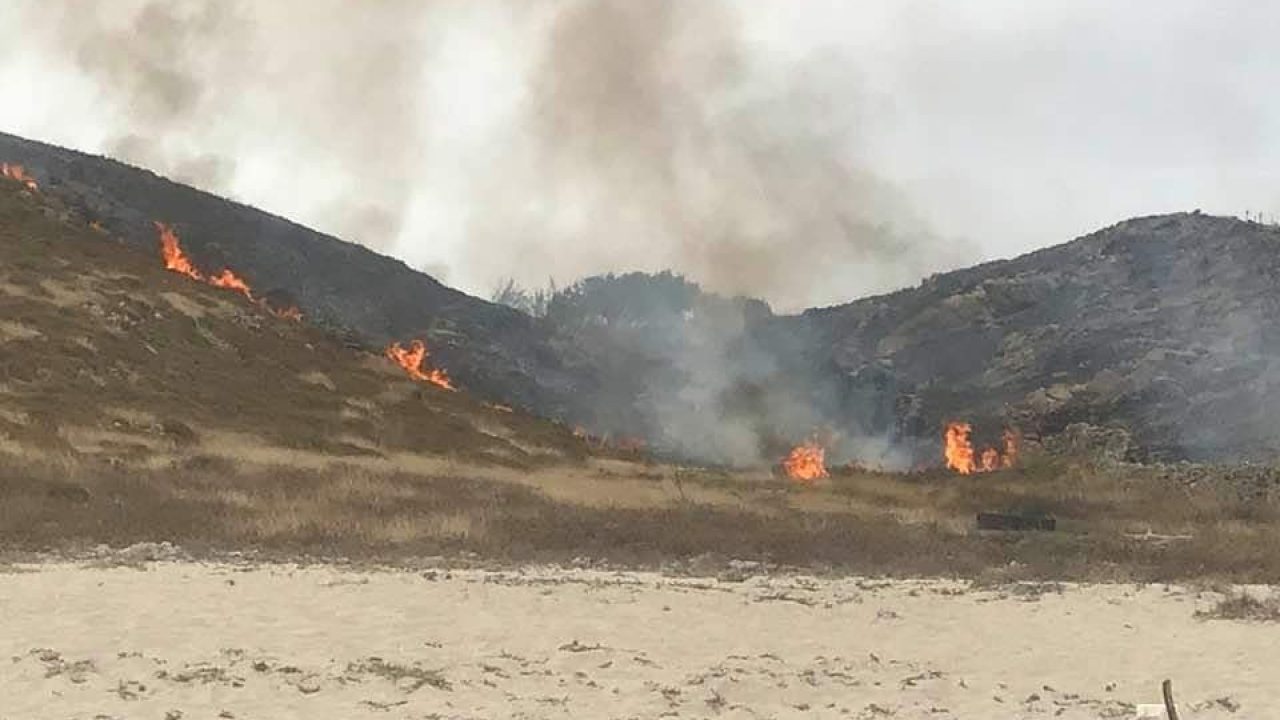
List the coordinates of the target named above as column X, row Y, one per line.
column 194, row 88
column 637, row 136
column 716, row 379
column 655, row 139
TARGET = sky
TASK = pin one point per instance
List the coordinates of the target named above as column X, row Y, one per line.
column 808, row 152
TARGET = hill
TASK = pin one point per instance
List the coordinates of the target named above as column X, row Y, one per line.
column 494, row 351
column 1151, row 337
column 139, row 404
column 1163, row 327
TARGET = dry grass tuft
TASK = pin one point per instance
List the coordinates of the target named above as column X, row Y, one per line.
column 409, row 678
column 1243, row 606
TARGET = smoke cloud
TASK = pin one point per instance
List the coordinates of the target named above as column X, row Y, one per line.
column 608, row 135
column 655, row 139
column 193, row 88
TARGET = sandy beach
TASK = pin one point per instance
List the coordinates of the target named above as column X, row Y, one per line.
column 186, row 640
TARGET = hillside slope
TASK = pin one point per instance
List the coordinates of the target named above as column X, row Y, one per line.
column 1155, row 337
column 137, row 405
column 494, row 351
column 103, row 352
column 1160, row 329
column 1165, row 326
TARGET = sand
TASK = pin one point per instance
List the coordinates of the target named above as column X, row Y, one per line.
column 192, row 640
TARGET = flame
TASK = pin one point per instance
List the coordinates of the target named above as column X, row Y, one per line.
column 176, row 260
column 19, row 173
column 957, row 449
column 806, row 462
column 230, row 281
column 412, row 359
column 961, row 457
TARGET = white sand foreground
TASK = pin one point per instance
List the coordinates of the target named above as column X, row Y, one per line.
column 189, row 640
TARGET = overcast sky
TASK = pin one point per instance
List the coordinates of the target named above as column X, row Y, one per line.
column 806, row 151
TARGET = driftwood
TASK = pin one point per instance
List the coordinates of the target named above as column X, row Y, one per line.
column 1011, row 521
column 1169, row 707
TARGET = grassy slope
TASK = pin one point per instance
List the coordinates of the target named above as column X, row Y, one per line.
column 137, row 405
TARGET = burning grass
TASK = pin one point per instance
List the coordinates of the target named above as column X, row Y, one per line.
column 176, row 260
column 413, row 360
column 18, row 173
column 806, row 463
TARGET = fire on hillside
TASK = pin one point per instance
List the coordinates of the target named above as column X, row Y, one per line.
column 19, row 173
column 806, row 463
column 176, row 260
column 413, row 360
column 962, row 458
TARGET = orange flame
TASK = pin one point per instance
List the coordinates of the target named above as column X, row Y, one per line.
column 412, row 359
column 961, row 457
column 176, row 260
column 957, row 449
column 230, row 281
column 19, row 173
column 806, row 462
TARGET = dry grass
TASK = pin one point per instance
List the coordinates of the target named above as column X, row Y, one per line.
column 210, row 505
column 1243, row 606
column 102, row 351
column 408, row 677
